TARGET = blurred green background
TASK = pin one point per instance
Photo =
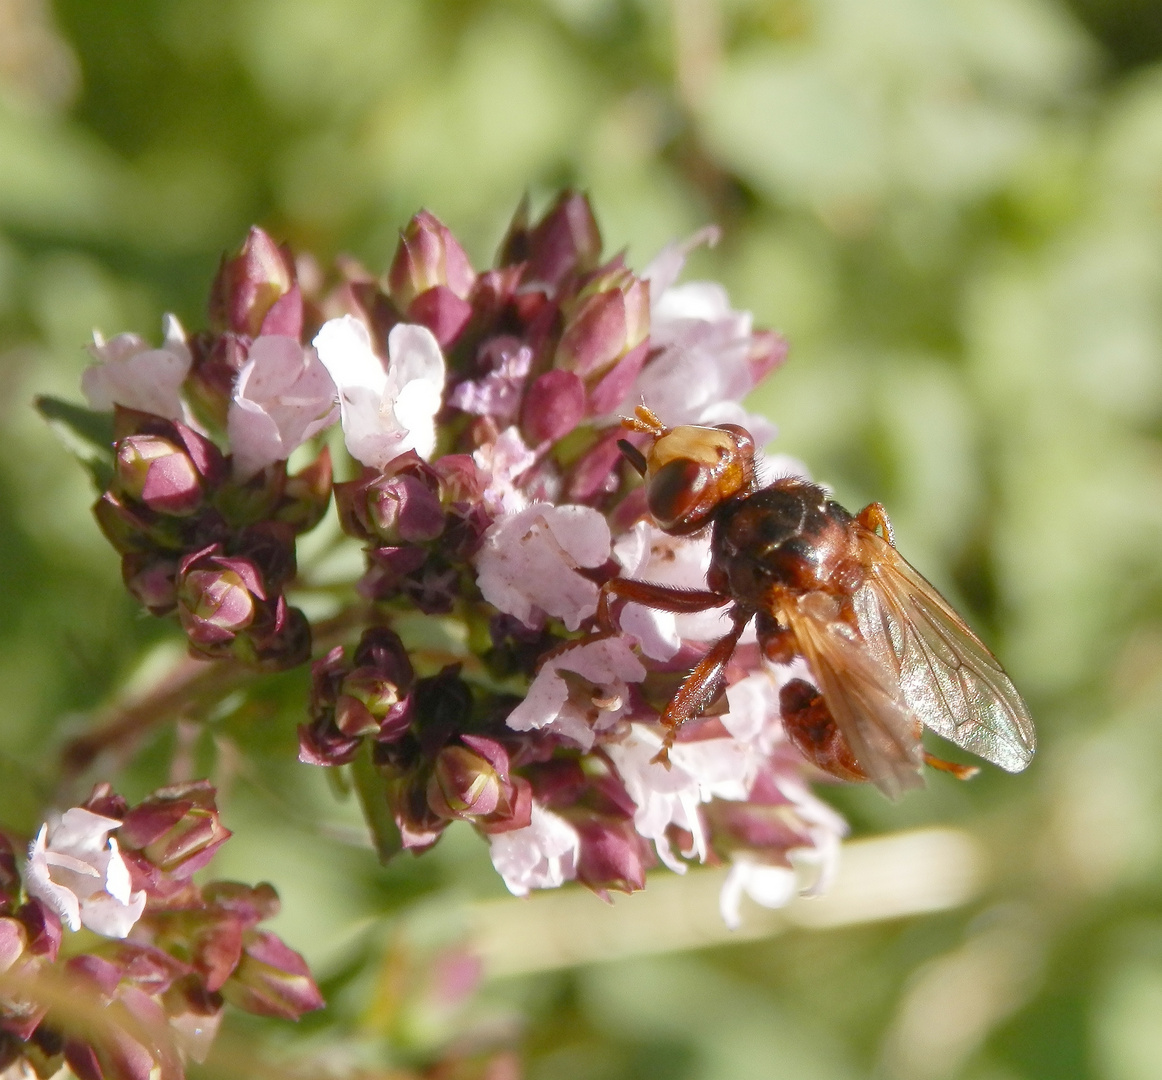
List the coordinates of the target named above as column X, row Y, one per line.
column 953, row 209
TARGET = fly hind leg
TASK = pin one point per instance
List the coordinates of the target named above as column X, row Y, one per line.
column 700, row 687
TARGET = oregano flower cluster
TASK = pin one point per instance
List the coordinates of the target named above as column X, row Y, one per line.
column 475, row 417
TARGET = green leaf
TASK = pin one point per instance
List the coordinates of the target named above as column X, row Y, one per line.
column 86, row 434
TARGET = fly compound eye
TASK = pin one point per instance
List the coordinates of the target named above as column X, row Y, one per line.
column 676, row 491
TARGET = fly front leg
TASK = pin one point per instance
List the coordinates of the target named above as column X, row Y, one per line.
column 701, row 686
column 875, row 517
column 653, row 595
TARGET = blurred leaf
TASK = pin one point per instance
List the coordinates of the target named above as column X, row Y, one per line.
column 86, row 433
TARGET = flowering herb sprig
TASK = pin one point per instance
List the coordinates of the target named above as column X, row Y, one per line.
column 113, row 960
column 480, row 412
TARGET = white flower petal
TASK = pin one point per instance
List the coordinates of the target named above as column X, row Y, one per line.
column 130, row 373
column 344, row 347
column 543, row 855
column 527, row 563
column 40, row 885
column 769, row 886
column 414, row 356
column 76, row 868
column 607, row 665
column 283, row 396
column 385, row 411
column 106, row 915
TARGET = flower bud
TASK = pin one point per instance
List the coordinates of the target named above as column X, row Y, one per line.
column 249, row 284
column 272, row 980
column 176, row 828
column 463, row 784
column 428, row 256
column 153, row 471
column 553, row 406
column 371, row 704
column 152, row 579
column 402, row 509
column 610, row 317
column 613, row 855
column 217, row 597
column 565, row 241
column 278, row 640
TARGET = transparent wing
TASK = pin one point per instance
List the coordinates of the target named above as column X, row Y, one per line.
column 946, row 673
column 861, row 694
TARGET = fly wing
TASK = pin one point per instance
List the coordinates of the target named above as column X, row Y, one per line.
column 946, row 673
column 861, row 693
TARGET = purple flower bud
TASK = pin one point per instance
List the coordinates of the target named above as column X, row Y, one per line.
column 159, row 474
column 249, row 283
column 617, row 382
column 176, row 828
column 610, row 317
column 218, row 360
column 403, row 509
column 206, row 458
column 419, row 826
column 442, row 312
column 370, row 703
column 278, row 640
column 12, row 942
column 565, row 241
column 463, row 785
column 152, row 579
column 597, row 473
column 43, row 928
column 613, row 855
column 428, row 256
column 126, row 528
column 272, row 980
column 214, row 605
column 553, row 406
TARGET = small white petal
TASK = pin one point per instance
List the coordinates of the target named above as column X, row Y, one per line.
column 105, row 915
column 543, row 855
column 344, row 347
column 528, row 562
column 40, row 885
column 130, row 373
column 768, row 886
column 117, row 883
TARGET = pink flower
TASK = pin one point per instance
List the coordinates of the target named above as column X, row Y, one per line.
column 648, row 554
column 133, row 374
column 582, row 690
column 75, row 867
column 710, row 356
column 282, row 397
column 385, row 411
column 542, row 855
column 665, row 797
column 527, row 563
column 504, row 461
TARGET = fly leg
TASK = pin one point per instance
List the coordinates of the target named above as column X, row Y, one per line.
column 652, row 595
column 701, row 686
column 961, row 772
column 873, row 517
